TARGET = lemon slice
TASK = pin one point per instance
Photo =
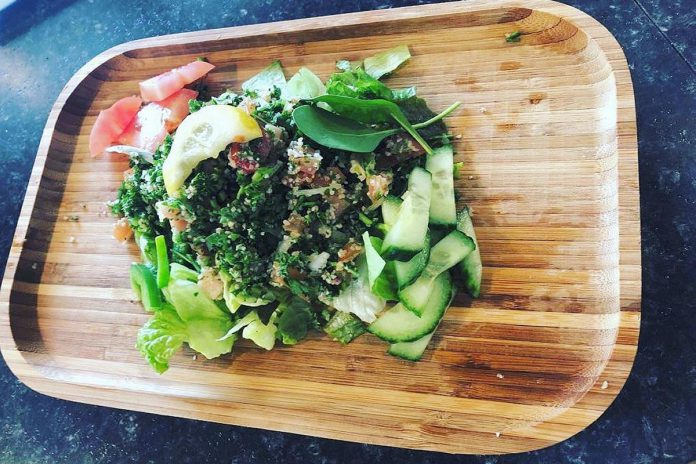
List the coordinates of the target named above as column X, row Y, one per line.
column 202, row 135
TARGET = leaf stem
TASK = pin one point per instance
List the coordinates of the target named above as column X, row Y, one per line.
column 438, row 117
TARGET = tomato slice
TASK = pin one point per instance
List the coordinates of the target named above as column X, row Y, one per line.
column 111, row 123
column 155, row 120
column 162, row 86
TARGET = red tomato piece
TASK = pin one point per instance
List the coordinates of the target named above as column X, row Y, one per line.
column 178, row 106
column 155, row 120
column 111, row 123
column 160, row 87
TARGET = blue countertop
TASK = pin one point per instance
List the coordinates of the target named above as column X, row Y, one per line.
column 43, row 42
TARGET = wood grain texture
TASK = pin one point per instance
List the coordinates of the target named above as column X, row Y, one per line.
column 548, row 137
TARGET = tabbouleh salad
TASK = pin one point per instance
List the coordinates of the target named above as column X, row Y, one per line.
column 288, row 206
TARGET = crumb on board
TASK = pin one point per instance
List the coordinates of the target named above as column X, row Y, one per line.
column 605, row 385
column 83, row 205
column 71, row 239
column 34, row 266
column 458, row 136
column 194, row 357
column 499, row 375
column 71, row 218
column 497, row 434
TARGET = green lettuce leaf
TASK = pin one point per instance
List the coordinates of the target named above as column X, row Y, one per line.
column 263, row 335
column 191, row 302
column 357, row 84
column 387, row 61
column 305, row 84
column 204, row 336
column 179, row 272
column 161, row 337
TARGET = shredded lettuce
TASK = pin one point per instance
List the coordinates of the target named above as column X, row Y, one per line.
column 358, row 299
column 387, row 61
column 304, row 85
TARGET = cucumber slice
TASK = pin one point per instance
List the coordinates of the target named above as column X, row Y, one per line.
column 390, row 210
column 410, row 351
column 470, row 267
column 398, row 324
column 407, row 272
column 407, row 236
column 448, row 252
column 440, row 163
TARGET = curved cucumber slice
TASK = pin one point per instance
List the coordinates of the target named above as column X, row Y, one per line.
column 408, row 271
column 390, row 210
column 470, row 267
column 410, row 351
column 447, row 253
column 440, row 164
column 406, row 237
column 398, row 324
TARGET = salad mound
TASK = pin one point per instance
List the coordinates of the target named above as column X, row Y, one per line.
column 288, row 206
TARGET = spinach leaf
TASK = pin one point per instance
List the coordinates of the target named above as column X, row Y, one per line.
column 372, row 112
column 357, row 84
column 334, row 131
column 347, row 132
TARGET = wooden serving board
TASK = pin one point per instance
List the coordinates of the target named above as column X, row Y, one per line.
column 548, row 137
